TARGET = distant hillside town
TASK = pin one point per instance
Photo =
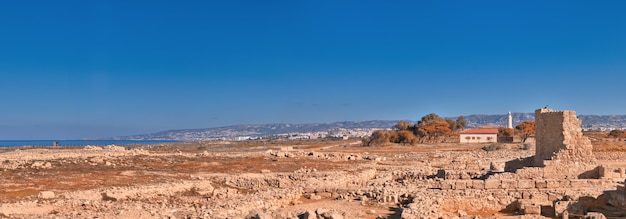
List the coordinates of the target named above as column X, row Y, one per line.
column 351, row 129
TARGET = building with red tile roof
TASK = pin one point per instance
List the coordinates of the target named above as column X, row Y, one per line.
column 479, row 135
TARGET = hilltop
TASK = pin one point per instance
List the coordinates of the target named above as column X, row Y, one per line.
column 589, row 122
column 351, row 128
column 261, row 130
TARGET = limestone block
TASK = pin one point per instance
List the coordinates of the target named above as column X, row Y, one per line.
column 460, row 185
column 46, row 195
column 556, row 170
column 528, row 207
column 564, row 183
column 560, row 207
column 500, row 195
column 447, row 185
column 594, row 215
column 579, row 183
column 509, row 184
column 307, row 195
column 515, row 195
column 451, row 175
column 496, row 167
column 595, row 183
column 330, row 214
column 464, row 176
column 493, row 184
column 325, row 194
column 473, row 166
column 540, row 197
column 478, row 184
column 341, row 190
column 541, row 184
column 532, row 209
column 552, row 196
column 553, row 184
column 526, row 184
column 530, row 173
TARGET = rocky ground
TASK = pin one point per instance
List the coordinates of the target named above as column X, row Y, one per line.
column 319, row 179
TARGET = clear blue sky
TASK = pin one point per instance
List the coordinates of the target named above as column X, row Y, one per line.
column 79, row 69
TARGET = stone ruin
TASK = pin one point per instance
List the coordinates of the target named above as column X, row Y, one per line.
column 551, row 183
column 559, row 137
column 561, row 151
column 561, row 178
column 561, row 148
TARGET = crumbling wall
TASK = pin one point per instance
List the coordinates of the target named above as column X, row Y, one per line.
column 559, row 137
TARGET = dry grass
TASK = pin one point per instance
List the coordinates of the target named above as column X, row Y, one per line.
column 76, row 174
column 601, row 142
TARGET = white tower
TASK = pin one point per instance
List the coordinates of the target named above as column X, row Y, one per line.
column 510, row 121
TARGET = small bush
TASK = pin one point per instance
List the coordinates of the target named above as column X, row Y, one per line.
column 526, row 147
column 492, row 147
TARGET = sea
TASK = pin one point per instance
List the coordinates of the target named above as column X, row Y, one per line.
column 18, row 143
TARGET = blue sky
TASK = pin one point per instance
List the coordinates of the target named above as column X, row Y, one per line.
column 80, row 69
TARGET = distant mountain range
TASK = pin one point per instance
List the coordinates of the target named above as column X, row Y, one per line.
column 590, row 122
column 232, row 132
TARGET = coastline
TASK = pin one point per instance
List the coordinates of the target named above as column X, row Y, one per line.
column 21, row 143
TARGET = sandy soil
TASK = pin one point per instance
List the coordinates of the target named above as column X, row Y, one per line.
column 278, row 179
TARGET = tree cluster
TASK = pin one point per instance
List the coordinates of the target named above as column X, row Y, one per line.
column 617, row 133
column 506, row 132
column 430, row 129
column 525, row 129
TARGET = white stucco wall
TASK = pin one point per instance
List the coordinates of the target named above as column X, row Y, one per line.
column 478, row 138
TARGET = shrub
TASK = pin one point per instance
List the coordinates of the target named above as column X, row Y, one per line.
column 492, row 147
column 526, row 147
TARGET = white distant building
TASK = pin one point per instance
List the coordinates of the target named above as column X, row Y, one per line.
column 242, row 138
column 510, row 121
column 479, row 135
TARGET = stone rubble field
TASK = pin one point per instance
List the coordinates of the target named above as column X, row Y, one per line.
column 312, row 179
column 343, row 180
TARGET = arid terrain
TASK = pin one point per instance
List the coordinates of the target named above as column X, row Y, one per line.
column 297, row 179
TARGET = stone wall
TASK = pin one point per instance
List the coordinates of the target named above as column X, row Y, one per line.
column 526, row 184
column 559, row 137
